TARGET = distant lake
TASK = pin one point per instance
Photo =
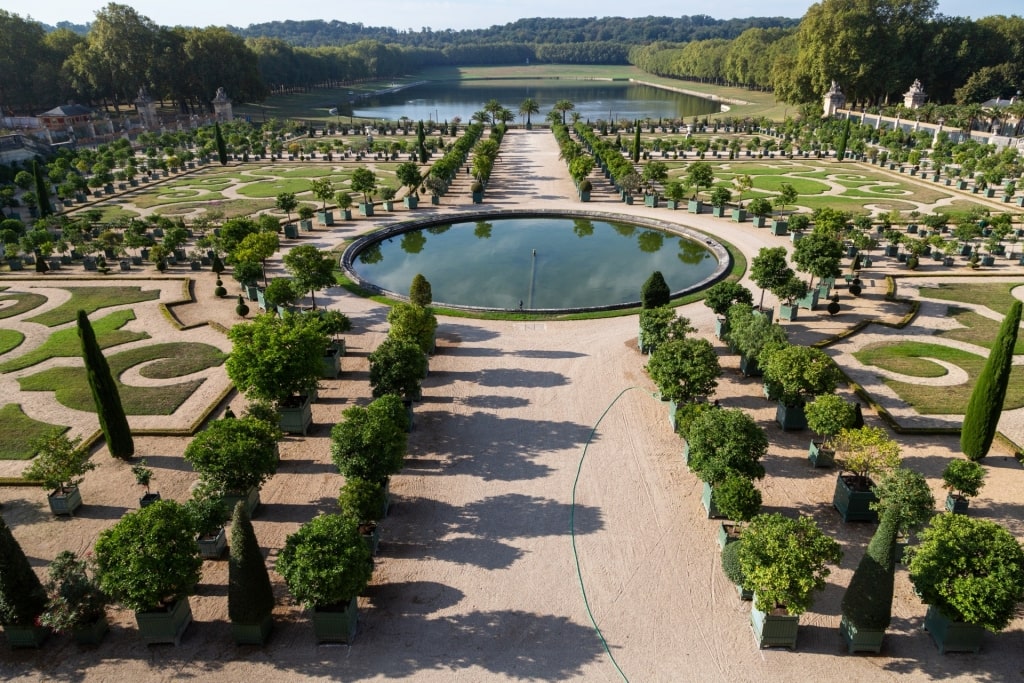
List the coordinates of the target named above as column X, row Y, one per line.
column 615, row 100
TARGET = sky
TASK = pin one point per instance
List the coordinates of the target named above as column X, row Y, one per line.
column 437, row 14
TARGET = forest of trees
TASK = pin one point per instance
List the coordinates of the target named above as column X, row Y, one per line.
column 873, row 48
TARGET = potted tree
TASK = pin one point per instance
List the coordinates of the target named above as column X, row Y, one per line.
column 675, row 194
column 867, row 602
column 75, row 603
column 397, row 366
column 208, row 512
column 827, row 414
column 279, row 360
column 720, row 297
column 760, row 208
column 408, row 173
column 387, row 196
column 659, row 325
column 365, row 502
column 737, row 499
column 789, row 292
column 684, row 370
column 751, row 332
column 143, row 475
column 796, row 374
column 22, row 597
column 326, row 564
column 970, row 573
column 864, row 453
column 250, row 595
column 149, row 562
column 234, row 458
column 414, row 323
column 344, row 200
column 722, row 442
column 59, row 465
column 784, row 561
column 720, row 197
column 909, row 493
column 306, row 214
column 370, row 442
column 733, row 570
column 963, row 479
column 364, row 181
column 323, row 189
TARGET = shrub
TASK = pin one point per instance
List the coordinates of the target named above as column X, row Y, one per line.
column 731, row 566
column 720, row 296
column 273, row 358
column 325, row 562
column 867, row 602
column 113, row 421
column 397, row 366
column 964, row 478
column 410, row 322
column 908, row 495
column 659, row 325
column 362, row 500
column 866, row 452
column 971, row 570
column 420, row 292
column 798, row 372
column 74, row 597
column 737, row 498
column 655, row 291
column 723, row 441
column 829, row 414
column 684, row 369
column 22, row 597
column 250, row 595
column 233, row 456
column 149, row 558
column 369, row 443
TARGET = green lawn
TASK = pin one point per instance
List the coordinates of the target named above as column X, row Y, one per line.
column 174, row 359
column 10, row 340
column 929, row 400
column 90, row 299
column 17, row 430
column 65, row 343
column 977, row 330
column 26, row 301
column 994, row 295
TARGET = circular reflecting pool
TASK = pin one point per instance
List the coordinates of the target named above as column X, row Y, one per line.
column 549, row 261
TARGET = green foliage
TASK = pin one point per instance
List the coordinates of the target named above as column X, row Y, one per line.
column 362, row 500
column 759, row 206
column 150, row 557
column 420, row 292
column 250, row 595
column 364, row 181
column 750, row 334
column 408, row 173
column 721, row 196
column 829, row 414
column 112, row 419
column 59, row 461
column 206, row 510
column 90, row 299
column 867, row 602
column 726, row 441
column 971, row 570
column 785, row 560
column 659, row 325
column 74, row 598
column 798, row 372
column 699, row 176
column 731, row 566
column 273, row 358
column 964, row 478
column 325, row 562
column 143, row 474
column 222, row 150
column 370, row 442
column 819, row 254
column 22, row 597
column 323, row 189
column 686, row 414
column 770, row 269
column 311, row 268
column 281, row 291
column 233, row 456
column 907, row 494
column 989, row 392
column 866, row 452
column 720, row 296
column 397, row 366
column 655, row 291
column 737, row 498
column 684, row 369
column 410, row 322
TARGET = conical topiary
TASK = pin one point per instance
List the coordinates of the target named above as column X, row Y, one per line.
column 867, row 603
column 113, row 421
column 250, row 596
column 22, row 597
column 655, row 291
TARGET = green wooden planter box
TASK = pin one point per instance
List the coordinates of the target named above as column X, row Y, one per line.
column 91, row 634
column 331, row 625
column 325, row 217
column 952, row 636
column 411, row 201
column 774, row 630
column 707, row 497
column 331, row 363
column 686, row 453
column 745, row 595
column 26, row 636
column 372, row 539
column 861, row 639
column 853, row 505
column 291, row 231
column 790, row 418
column 253, row 634
column 250, row 497
column 306, row 225
column 478, row 197
column 779, row 228
column 820, row 457
column 759, row 221
column 956, row 504
column 366, row 209
column 672, row 408
column 749, row 367
column 651, row 200
column 65, row 503
column 739, row 215
column 718, row 211
column 212, row 548
column 165, row 626
column 672, row 204
column 695, row 206
column 787, row 312
column 810, row 302
column 725, row 537
column 721, row 327
column 296, row 419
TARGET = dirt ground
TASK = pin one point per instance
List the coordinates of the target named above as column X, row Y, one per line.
column 544, row 493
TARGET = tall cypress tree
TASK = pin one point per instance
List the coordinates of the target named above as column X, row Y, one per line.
column 844, row 138
column 986, row 402
column 222, row 149
column 42, row 191
column 636, row 142
column 104, row 392
column 421, row 137
column 250, row 596
column 22, row 597
column 867, row 603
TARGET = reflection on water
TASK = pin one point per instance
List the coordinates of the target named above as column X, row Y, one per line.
column 593, row 100
column 545, row 262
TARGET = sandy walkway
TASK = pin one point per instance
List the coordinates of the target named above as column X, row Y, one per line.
column 476, row 578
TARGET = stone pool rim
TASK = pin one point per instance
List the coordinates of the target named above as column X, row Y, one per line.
column 718, row 250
